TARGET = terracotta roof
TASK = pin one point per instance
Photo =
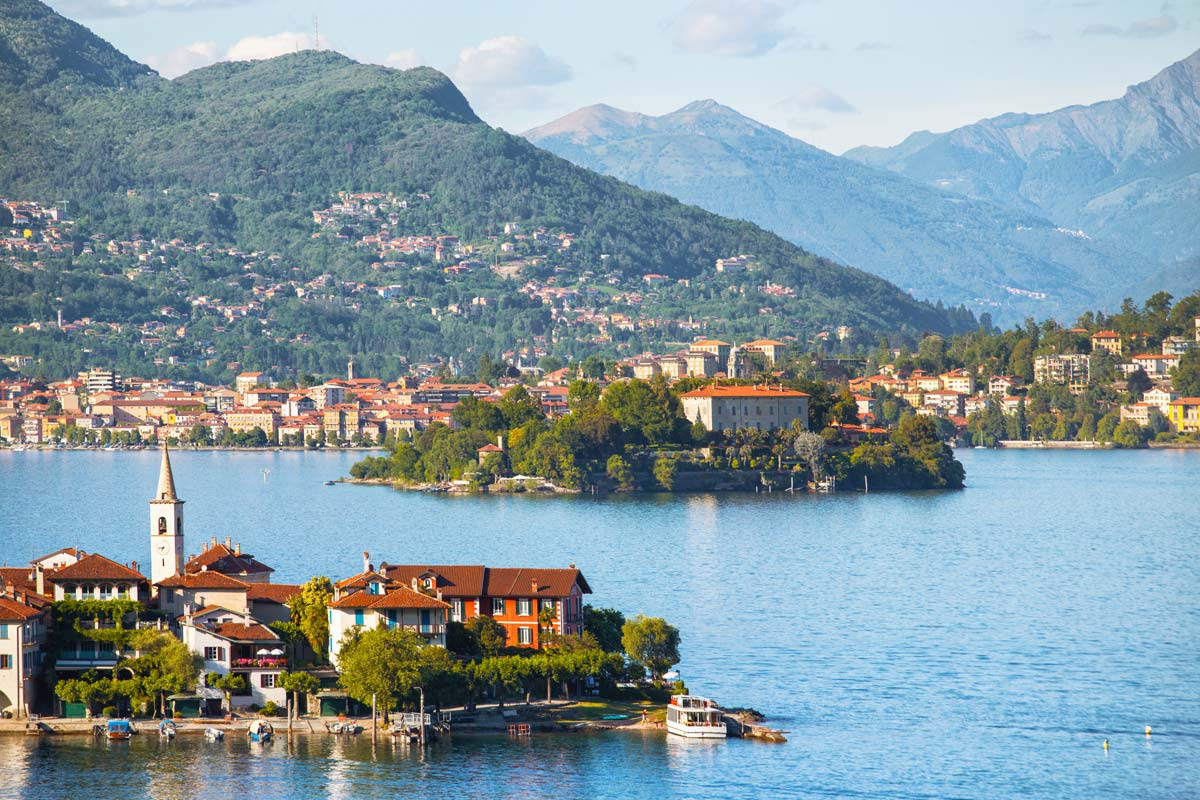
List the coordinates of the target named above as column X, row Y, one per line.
column 96, row 568
column 403, row 597
column 764, row 343
column 20, row 577
column 224, row 559
column 12, row 609
column 241, row 632
column 452, row 581
column 361, row 580
column 1106, row 335
column 709, row 343
column 272, row 592
column 743, row 391
column 205, row 579
column 518, row 582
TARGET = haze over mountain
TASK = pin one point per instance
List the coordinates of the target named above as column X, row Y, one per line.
column 1008, row 262
column 274, row 140
column 1124, row 171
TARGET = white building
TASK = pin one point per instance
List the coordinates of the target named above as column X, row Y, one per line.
column 370, row 600
column 763, row 408
column 234, row 642
column 22, row 631
column 166, row 526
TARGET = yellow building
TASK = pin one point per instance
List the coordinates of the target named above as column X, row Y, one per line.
column 1184, row 415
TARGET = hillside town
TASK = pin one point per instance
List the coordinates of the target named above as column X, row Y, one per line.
column 73, row 616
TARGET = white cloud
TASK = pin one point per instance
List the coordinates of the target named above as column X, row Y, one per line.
column 816, row 98
column 254, row 48
column 188, row 57
column 1035, row 36
column 738, row 28
column 865, row 46
column 626, row 60
column 404, row 59
column 129, row 8
column 1138, row 29
column 174, row 63
column 508, row 62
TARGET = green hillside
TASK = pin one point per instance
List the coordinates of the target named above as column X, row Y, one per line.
column 241, row 154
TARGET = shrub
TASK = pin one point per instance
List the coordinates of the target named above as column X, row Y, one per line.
column 109, row 711
column 270, row 709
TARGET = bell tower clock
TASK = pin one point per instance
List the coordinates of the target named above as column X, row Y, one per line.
column 166, row 526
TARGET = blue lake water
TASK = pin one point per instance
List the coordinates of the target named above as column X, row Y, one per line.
column 974, row 644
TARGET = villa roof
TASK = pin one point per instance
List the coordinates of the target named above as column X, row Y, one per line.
column 452, row 581
column 224, row 559
column 241, row 632
column 20, row 577
column 95, row 567
column 361, row 580
column 11, row 609
column 272, row 592
column 506, row 582
column 743, row 391
column 205, row 579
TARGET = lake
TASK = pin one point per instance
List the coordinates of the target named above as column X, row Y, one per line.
column 973, row 644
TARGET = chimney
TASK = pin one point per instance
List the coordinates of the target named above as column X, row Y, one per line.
column 366, row 561
column 214, row 541
column 414, row 584
column 228, row 543
column 133, row 565
column 40, row 578
column 500, row 440
column 237, row 549
column 534, row 583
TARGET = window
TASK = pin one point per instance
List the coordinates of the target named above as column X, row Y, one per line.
column 547, row 604
column 358, row 617
column 214, row 654
column 524, row 635
column 6, row 662
column 3, row 630
column 106, row 591
column 375, row 588
column 497, row 605
column 456, row 610
column 122, row 591
column 267, row 680
column 524, row 607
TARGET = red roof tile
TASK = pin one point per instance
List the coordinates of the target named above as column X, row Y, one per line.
column 15, row 610
column 205, row 579
column 272, row 592
column 757, row 392
column 96, row 568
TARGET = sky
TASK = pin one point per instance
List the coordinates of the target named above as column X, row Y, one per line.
column 836, row 73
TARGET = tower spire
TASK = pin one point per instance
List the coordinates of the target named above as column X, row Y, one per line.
column 166, row 479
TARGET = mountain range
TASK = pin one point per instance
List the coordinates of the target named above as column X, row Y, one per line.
column 1123, row 171
column 86, row 124
column 903, row 214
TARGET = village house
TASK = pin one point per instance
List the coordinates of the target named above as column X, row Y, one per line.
column 1107, row 340
column 1070, row 369
column 228, row 641
column 371, row 600
column 770, row 348
column 1184, row 415
column 1003, row 385
column 1155, row 364
column 762, row 408
column 228, row 560
column 514, row 597
column 23, row 626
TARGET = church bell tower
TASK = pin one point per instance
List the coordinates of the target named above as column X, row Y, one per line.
column 166, row 526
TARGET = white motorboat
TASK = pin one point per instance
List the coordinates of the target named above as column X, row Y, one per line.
column 694, row 717
column 166, row 729
column 214, row 734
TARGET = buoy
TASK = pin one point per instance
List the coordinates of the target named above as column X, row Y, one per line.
column 1147, row 730
column 1106, row 744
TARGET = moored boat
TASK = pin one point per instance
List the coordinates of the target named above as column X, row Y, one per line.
column 166, row 729
column 260, row 731
column 694, row 717
column 214, row 734
column 118, row 729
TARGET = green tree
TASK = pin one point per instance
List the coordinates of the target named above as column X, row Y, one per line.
column 582, row 396
column 1129, row 434
column 665, row 470
column 620, row 472
column 310, row 610
column 1185, row 379
column 297, row 684
column 651, row 642
column 606, row 624
column 383, row 663
column 490, row 635
column 229, row 683
column 809, row 448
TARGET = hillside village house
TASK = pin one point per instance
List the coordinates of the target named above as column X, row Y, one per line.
column 762, row 408
column 770, row 348
column 1107, row 340
column 1184, row 415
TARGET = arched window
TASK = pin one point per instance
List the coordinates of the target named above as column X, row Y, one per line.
column 162, row 524
column 106, row 591
column 69, row 590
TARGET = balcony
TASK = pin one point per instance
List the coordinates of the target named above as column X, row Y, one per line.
column 260, row 663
